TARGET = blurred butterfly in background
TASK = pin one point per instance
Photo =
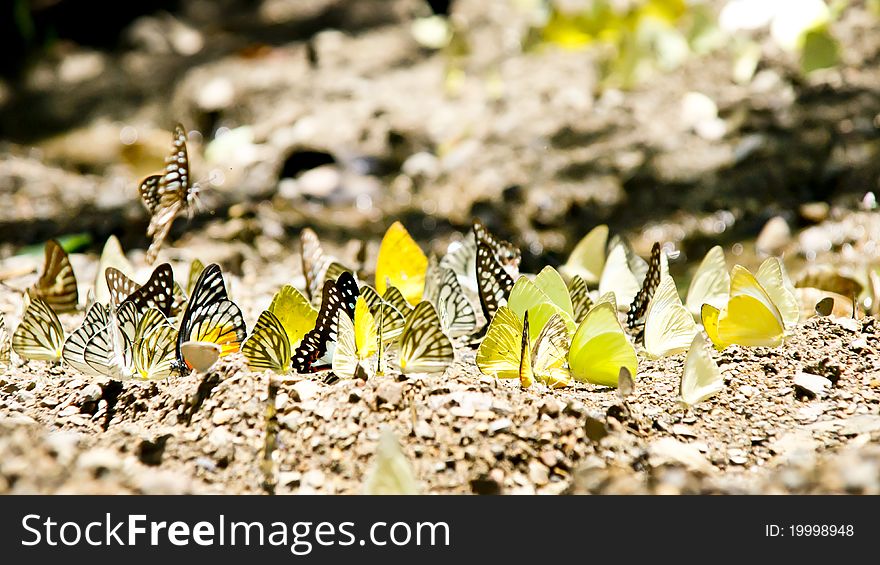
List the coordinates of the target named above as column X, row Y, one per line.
column 57, row 283
column 212, row 318
column 507, row 352
column 700, row 378
column 168, row 194
column 423, row 347
column 710, row 283
column 600, row 347
column 587, row 259
column 39, row 336
column 669, row 326
column 356, row 341
column 338, row 296
column 317, row 266
column 390, row 472
column 401, row 263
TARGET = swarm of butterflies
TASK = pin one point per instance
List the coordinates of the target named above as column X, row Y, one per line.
column 580, row 323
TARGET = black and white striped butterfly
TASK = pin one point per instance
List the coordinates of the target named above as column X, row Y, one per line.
column 39, row 336
column 268, row 347
column 338, row 296
column 457, row 316
column 580, row 298
column 639, row 306
column 423, row 347
column 389, row 319
column 168, row 194
column 57, row 283
column 493, row 282
column 73, row 353
column 5, row 344
column 505, row 252
column 210, row 317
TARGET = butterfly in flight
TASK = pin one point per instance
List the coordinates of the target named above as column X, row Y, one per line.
column 210, row 317
column 338, row 296
column 57, row 283
column 168, row 194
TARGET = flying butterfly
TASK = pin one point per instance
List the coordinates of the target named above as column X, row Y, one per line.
column 580, row 298
column 356, row 341
column 493, row 282
column 401, row 263
column 210, row 317
column 268, row 347
column 74, row 348
column 57, row 283
column 635, row 317
column 39, row 336
column 168, row 194
column 423, row 347
column 339, row 296
column 506, row 351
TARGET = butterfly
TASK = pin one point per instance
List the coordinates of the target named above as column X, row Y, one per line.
column 338, row 296
column 5, row 345
column 294, row 312
column 772, row 276
column 195, row 270
column 390, row 320
column 390, row 472
column 457, row 316
column 423, row 347
column 393, row 297
column 749, row 318
column 317, row 266
column 168, row 194
column 710, row 284
column 109, row 352
column 580, row 298
column 356, row 341
column 39, row 336
column 669, row 326
column 493, row 282
column 532, row 297
column 111, row 256
column 587, row 259
column 73, row 352
column 600, row 347
column 623, row 272
column 200, row 356
column 158, row 292
column 210, row 317
column 505, row 252
column 268, row 347
column 155, row 355
column 506, row 351
column 57, row 283
column 700, row 377
column 639, row 306
column 401, row 263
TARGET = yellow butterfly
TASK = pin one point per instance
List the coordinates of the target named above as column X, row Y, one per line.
column 195, row 270
column 268, row 347
column 392, row 320
column 528, row 296
column 506, row 351
column 749, row 318
column 669, row 326
column 401, row 263
column 423, row 347
column 111, row 256
column 700, row 377
column 39, row 336
column 154, row 347
column 355, row 342
column 57, row 283
column 772, row 276
column 294, row 312
column 600, row 347
column 710, row 284
column 390, row 472
column 587, row 259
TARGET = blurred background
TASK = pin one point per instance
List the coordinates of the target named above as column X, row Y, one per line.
column 750, row 123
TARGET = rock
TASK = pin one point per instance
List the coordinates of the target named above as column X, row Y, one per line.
column 90, row 393
column 669, row 451
column 314, row 478
column 389, row 394
column 539, row 474
column 550, row 407
column 683, row 430
column 811, row 386
column 215, row 95
column 221, row 417
column 424, row 430
column 64, row 445
column 815, row 212
column 860, row 344
column 463, row 411
column 163, row 483
column 854, row 425
column 304, row 390
column 99, row 458
column 499, row 425
column 774, row 236
column 595, row 429
column 49, row 402
column 737, row 456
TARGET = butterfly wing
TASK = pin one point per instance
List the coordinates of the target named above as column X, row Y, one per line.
column 617, row 276
column 550, row 352
column 493, row 282
column 500, row 352
column 527, row 297
column 109, row 353
column 389, row 318
column 750, row 318
column 314, row 262
column 268, row 347
column 580, row 298
column 390, row 472
column 119, row 286
column 112, row 256
column 158, row 292
column 461, row 258
column 39, row 336
column 365, row 333
column 587, row 259
column 711, row 282
column 550, row 281
column 345, row 357
column 195, row 270
column 424, row 348
column 154, row 355
column 401, row 263
column 294, row 312
column 457, row 316
column 669, row 326
column 701, row 377
column 337, row 297
column 57, row 283
column 600, row 348
column 74, row 348
column 639, row 307
column 506, row 253
column 772, row 276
